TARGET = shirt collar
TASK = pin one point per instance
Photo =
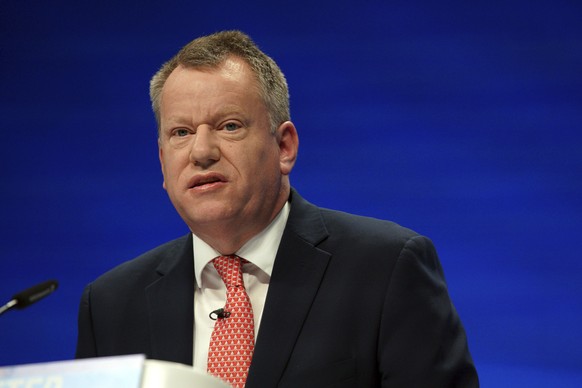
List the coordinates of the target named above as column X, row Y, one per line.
column 259, row 250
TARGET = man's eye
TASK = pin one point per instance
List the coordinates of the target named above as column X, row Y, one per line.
column 229, row 127
column 181, row 132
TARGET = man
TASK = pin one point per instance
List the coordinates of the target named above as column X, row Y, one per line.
column 330, row 299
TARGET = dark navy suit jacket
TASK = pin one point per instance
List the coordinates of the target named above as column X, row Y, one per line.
column 352, row 302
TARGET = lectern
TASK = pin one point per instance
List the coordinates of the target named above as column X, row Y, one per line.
column 107, row 372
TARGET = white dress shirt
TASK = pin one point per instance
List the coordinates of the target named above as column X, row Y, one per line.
column 210, row 290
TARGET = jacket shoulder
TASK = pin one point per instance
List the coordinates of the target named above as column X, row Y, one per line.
column 147, row 266
column 362, row 230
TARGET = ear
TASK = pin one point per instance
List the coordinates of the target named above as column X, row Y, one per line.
column 161, row 156
column 288, row 146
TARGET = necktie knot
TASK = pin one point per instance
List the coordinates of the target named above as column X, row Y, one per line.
column 230, row 270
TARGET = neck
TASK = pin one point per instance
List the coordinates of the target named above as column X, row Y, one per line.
column 228, row 236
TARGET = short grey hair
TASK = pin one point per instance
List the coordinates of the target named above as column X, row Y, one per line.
column 210, row 52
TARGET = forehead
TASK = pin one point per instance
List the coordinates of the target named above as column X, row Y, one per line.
column 233, row 75
column 231, row 70
column 201, row 91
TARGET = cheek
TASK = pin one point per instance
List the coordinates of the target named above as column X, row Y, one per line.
column 171, row 169
column 266, row 167
column 260, row 161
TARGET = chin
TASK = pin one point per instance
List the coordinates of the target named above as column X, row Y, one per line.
column 209, row 217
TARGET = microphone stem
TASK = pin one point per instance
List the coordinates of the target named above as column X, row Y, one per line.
column 8, row 306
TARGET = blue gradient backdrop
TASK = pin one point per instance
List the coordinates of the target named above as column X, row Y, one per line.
column 461, row 120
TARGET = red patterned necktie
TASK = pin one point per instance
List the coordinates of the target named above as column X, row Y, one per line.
column 233, row 338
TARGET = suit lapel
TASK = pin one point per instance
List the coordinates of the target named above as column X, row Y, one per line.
column 171, row 304
column 297, row 273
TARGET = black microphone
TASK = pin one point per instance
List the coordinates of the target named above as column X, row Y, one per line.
column 219, row 314
column 30, row 295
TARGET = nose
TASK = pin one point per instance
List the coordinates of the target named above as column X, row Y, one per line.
column 205, row 150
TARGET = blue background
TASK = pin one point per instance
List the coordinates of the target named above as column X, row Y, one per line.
column 461, row 120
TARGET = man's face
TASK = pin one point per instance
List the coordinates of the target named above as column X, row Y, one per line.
column 223, row 169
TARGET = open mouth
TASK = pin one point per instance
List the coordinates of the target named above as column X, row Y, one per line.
column 206, row 181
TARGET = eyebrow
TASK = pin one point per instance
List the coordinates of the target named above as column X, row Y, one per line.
column 221, row 112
